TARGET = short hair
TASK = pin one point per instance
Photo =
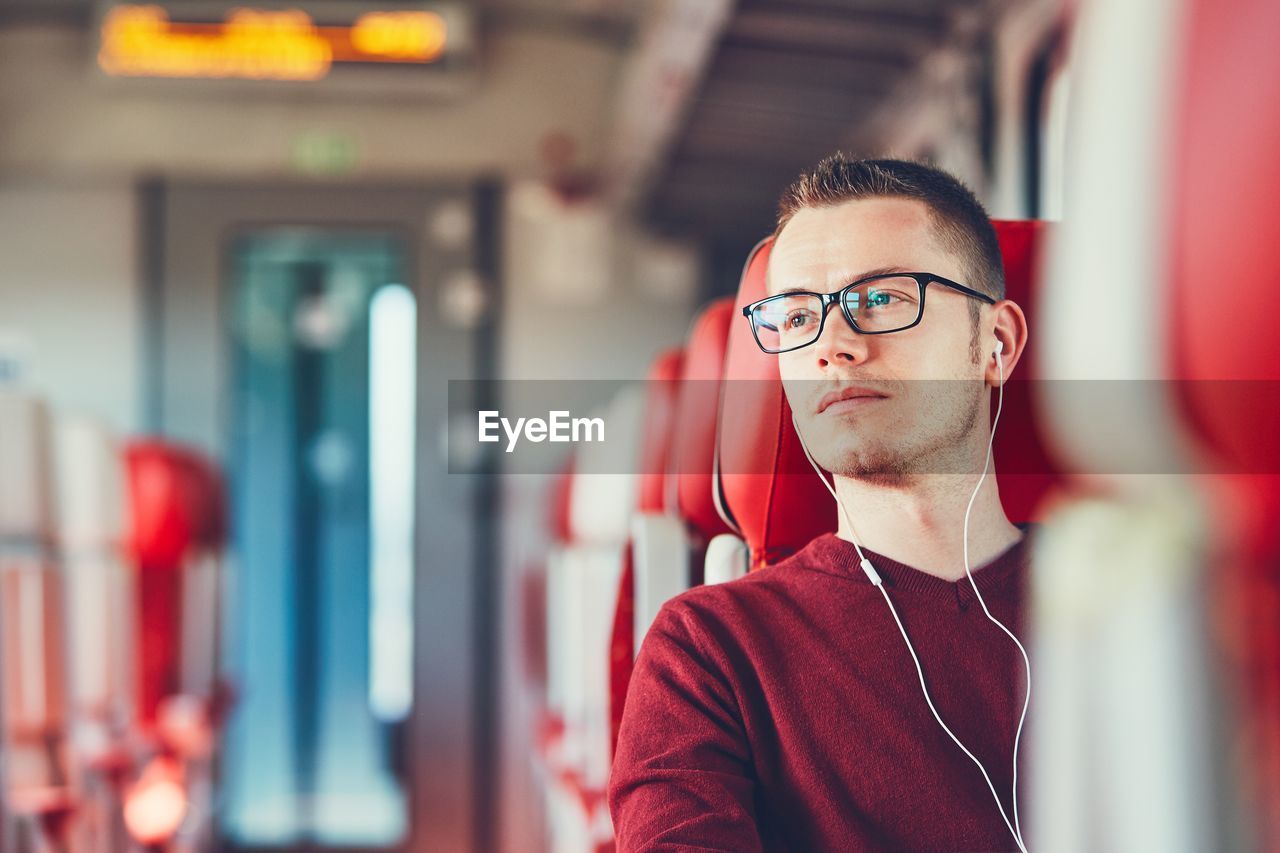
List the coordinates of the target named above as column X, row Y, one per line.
column 959, row 219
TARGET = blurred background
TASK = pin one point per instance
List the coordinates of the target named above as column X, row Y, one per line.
column 250, row 601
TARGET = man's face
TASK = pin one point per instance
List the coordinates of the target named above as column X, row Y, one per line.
column 908, row 413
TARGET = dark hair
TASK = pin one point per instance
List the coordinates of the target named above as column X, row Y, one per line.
column 959, row 219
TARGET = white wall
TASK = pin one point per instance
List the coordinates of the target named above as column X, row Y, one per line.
column 69, row 289
column 586, row 294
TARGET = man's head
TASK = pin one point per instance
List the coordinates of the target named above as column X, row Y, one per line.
column 912, row 411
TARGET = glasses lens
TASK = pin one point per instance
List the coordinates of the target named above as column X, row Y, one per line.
column 885, row 304
column 788, row 321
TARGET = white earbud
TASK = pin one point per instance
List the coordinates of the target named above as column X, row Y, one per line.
column 999, row 348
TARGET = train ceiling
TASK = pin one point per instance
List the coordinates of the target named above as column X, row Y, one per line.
column 786, row 83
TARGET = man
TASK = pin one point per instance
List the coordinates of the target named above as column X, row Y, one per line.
column 784, row 710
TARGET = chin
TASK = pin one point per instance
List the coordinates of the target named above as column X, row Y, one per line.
column 850, row 457
column 877, row 466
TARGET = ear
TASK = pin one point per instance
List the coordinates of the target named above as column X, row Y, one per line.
column 1008, row 335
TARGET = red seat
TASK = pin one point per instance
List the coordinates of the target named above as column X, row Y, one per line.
column 165, row 519
column 661, row 392
column 178, row 531
column 1157, row 594
column 101, row 598
column 583, row 576
column 1225, row 211
column 678, row 515
column 34, row 677
column 693, row 454
column 661, row 399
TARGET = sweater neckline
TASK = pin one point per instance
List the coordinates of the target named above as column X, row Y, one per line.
column 992, row 577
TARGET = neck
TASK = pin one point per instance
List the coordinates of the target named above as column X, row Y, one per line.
column 921, row 522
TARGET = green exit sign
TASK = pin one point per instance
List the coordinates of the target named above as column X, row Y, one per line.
column 325, row 153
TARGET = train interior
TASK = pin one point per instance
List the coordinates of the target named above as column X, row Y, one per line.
column 261, row 264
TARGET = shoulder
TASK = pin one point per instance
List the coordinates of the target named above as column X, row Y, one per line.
column 726, row 610
column 747, row 591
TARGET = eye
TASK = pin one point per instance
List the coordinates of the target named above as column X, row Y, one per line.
column 888, row 299
column 798, row 318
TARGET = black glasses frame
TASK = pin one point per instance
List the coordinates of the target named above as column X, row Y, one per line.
column 922, row 279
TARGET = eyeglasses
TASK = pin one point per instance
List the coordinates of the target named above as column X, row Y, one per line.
column 875, row 305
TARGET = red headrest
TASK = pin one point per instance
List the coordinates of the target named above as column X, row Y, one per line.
column 766, row 486
column 177, row 502
column 176, row 507
column 763, row 486
column 661, row 394
column 164, row 513
column 694, row 438
column 1021, row 457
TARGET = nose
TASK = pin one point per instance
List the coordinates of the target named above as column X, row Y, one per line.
column 839, row 344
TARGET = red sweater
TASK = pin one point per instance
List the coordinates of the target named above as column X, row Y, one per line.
column 782, row 711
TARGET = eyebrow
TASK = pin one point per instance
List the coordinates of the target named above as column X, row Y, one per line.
column 847, row 279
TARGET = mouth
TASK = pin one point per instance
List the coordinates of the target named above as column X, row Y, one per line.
column 849, row 398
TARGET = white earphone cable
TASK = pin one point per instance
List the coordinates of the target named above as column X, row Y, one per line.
column 1026, row 660
column 1014, row 828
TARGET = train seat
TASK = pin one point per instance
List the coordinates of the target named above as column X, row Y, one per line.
column 667, row 545
column 691, row 519
column 92, row 525
column 177, row 532
column 1182, row 466
column 655, row 557
column 1231, row 396
column 100, row 619
column 583, row 577
column 36, row 795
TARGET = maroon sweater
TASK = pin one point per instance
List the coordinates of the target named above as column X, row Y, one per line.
column 782, row 711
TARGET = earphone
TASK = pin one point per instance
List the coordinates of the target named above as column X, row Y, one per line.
column 1015, row 828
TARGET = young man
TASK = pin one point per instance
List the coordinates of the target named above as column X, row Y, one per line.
column 784, row 710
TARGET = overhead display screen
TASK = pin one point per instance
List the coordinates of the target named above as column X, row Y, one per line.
column 305, row 43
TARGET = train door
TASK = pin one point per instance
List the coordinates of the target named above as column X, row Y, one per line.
column 305, row 336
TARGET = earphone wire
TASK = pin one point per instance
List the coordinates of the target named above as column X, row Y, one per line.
column 1014, row 828
column 1026, row 659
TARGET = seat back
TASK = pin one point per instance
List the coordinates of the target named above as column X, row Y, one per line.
column 662, row 390
column 693, row 453
column 1224, row 209
column 176, row 537
column 33, row 672
column 100, row 585
column 583, row 579
column 767, row 492
column 656, row 557
column 665, row 553
column 101, row 594
column 1139, row 639
column 164, row 518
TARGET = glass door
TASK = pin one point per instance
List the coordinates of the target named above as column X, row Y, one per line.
column 321, row 459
